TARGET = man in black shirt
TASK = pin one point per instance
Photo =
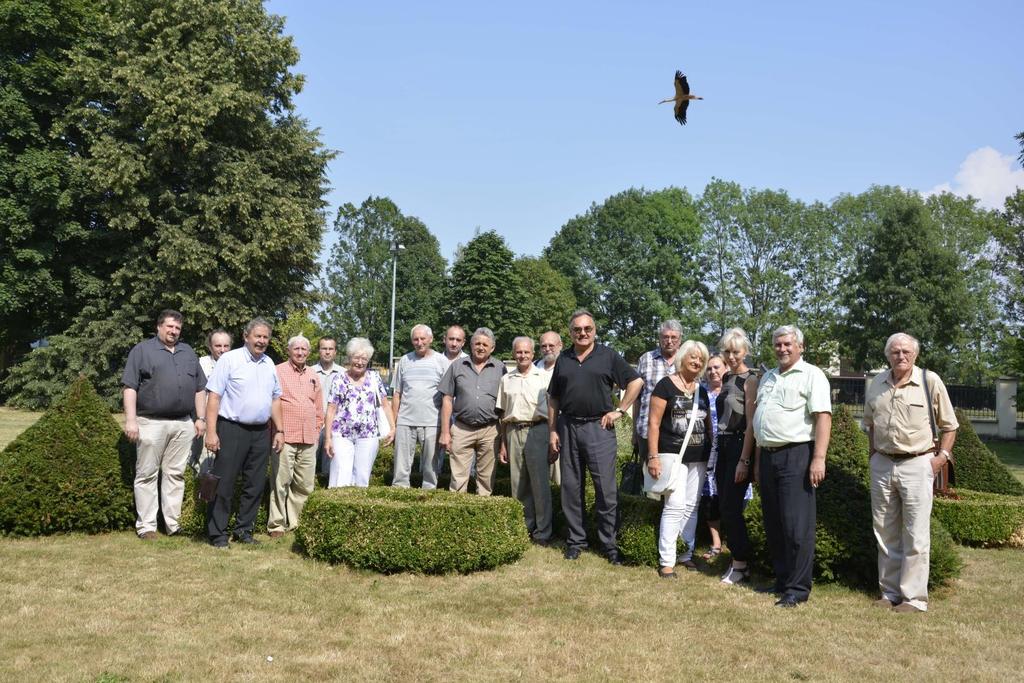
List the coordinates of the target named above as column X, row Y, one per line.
column 163, row 388
column 582, row 425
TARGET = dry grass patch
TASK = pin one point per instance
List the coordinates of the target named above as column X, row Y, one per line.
column 14, row 422
column 76, row 607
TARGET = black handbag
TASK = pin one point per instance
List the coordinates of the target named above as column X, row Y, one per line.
column 632, row 483
column 208, row 483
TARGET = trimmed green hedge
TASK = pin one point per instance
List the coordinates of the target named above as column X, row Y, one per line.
column 639, row 518
column 845, row 549
column 193, row 511
column 70, row 471
column 979, row 518
column 395, row 530
column 976, row 467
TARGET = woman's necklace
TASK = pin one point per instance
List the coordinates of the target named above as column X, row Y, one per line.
column 687, row 387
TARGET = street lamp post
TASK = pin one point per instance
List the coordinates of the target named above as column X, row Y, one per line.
column 395, row 248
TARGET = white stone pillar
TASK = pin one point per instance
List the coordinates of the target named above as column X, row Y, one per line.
column 1006, row 407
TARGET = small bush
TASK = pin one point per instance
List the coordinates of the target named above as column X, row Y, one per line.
column 70, row 471
column 639, row 519
column 395, row 530
column 976, row 467
column 845, row 546
column 985, row 519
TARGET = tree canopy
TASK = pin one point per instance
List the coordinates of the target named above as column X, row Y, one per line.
column 547, row 299
column 485, row 290
column 358, row 278
column 197, row 186
column 905, row 279
column 633, row 262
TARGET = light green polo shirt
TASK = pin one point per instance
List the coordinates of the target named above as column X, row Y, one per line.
column 786, row 403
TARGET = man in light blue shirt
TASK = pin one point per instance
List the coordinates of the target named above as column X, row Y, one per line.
column 244, row 393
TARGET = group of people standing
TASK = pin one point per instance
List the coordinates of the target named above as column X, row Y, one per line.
column 711, row 418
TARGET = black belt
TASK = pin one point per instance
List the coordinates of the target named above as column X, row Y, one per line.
column 581, row 420
column 524, row 425
column 775, row 449
column 905, row 456
column 468, row 425
column 245, row 425
column 732, row 434
column 183, row 416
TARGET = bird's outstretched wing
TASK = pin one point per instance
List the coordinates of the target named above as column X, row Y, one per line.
column 682, row 86
column 681, row 106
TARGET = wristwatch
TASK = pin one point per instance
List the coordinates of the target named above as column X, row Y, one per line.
column 949, row 456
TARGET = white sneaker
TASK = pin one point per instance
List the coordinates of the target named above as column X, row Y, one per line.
column 734, row 576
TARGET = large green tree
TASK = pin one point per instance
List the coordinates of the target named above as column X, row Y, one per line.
column 358, row 278
column 905, row 279
column 196, row 176
column 1011, row 267
column 547, row 299
column 44, row 251
column 768, row 260
column 633, row 262
column 485, row 290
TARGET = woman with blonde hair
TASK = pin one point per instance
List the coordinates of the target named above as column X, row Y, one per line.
column 677, row 400
column 735, row 404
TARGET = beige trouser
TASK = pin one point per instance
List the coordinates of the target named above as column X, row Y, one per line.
column 163, row 448
column 467, row 443
column 293, row 472
column 531, row 475
column 901, row 508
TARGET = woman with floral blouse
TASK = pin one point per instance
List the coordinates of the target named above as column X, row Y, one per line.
column 352, row 414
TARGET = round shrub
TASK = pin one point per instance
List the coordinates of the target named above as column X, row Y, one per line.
column 985, row 519
column 70, row 471
column 395, row 530
column 845, row 547
column 977, row 468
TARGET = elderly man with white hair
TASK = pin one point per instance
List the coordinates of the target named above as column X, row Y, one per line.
column 293, row 467
column 903, row 407
column 416, row 404
column 792, row 424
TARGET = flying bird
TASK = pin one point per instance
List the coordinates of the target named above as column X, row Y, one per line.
column 682, row 98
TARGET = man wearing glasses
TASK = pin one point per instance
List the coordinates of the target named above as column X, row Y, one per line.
column 581, row 420
column 654, row 366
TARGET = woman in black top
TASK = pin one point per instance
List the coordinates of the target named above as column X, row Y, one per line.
column 735, row 447
column 672, row 408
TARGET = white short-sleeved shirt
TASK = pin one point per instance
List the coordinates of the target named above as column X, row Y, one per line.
column 786, row 403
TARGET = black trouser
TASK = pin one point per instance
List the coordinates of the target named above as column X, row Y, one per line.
column 731, row 496
column 245, row 449
column 585, row 445
column 790, row 514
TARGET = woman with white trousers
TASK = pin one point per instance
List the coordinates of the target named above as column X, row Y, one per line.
column 356, row 404
column 677, row 399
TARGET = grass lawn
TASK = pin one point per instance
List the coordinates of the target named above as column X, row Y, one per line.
column 1012, row 455
column 113, row 608
column 14, row 422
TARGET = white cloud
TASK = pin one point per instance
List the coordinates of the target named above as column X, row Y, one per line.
column 986, row 175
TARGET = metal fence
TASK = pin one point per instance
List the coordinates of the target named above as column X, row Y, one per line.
column 978, row 403
column 848, row 391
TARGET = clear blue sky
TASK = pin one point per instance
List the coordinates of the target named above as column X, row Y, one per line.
column 517, row 116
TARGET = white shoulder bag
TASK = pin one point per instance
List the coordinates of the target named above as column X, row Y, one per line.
column 666, row 482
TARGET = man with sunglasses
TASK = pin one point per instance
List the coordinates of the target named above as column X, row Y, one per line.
column 581, row 420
